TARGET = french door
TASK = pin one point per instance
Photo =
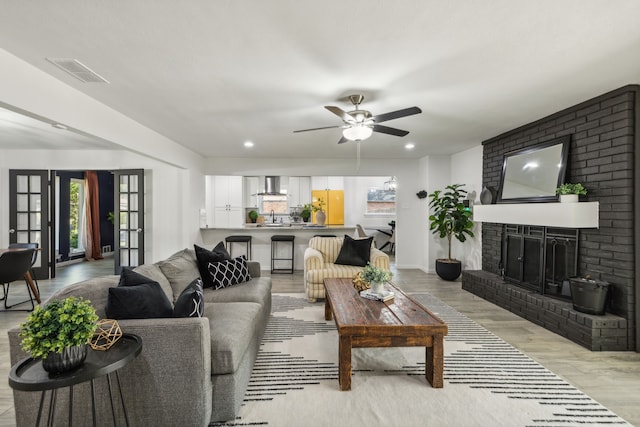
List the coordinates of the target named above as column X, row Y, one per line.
column 29, row 219
column 129, row 218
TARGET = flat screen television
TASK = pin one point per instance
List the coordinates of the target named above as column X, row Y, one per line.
column 532, row 174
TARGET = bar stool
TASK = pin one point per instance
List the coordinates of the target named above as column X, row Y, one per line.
column 229, row 240
column 274, row 247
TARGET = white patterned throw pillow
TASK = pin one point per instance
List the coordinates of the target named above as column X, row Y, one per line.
column 230, row 272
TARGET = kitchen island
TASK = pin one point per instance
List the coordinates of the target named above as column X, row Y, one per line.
column 261, row 239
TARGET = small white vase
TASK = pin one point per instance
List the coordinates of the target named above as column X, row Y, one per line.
column 321, row 217
column 377, row 287
column 568, row 198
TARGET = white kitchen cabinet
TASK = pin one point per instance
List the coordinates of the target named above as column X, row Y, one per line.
column 299, row 190
column 327, row 183
column 228, row 201
column 228, row 216
column 251, row 188
column 227, row 190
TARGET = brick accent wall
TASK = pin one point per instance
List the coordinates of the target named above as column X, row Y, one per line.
column 602, row 157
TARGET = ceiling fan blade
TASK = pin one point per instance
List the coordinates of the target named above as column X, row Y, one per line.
column 325, row 127
column 390, row 131
column 396, row 114
column 343, row 140
column 340, row 113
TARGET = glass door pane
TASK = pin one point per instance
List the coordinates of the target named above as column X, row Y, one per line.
column 129, row 218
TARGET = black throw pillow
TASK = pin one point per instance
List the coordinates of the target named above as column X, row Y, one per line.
column 206, row 257
column 229, row 272
column 134, row 298
column 143, row 301
column 221, row 250
column 355, row 251
column 190, row 303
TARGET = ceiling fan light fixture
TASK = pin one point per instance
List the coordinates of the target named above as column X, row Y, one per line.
column 358, row 132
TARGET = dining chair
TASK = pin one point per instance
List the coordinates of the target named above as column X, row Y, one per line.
column 362, row 234
column 13, row 266
column 34, row 258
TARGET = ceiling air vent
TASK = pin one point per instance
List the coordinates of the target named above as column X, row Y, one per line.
column 78, row 70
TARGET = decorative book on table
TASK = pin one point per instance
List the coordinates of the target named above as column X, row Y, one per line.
column 378, row 296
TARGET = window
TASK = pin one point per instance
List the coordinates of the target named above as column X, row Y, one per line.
column 381, row 201
column 76, row 211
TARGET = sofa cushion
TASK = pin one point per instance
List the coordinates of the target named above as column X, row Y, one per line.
column 233, row 325
column 190, row 303
column 95, row 290
column 180, row 269
column 206, row 257
column 229, row 272
column 355, row 251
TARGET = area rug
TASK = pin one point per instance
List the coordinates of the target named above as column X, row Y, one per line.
column 487, row 382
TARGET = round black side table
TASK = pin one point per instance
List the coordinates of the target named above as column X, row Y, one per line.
column 29, row 375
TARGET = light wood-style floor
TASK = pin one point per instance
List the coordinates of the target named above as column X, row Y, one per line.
column 612, row 378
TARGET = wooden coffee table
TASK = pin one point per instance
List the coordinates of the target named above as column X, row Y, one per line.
column 401, row 322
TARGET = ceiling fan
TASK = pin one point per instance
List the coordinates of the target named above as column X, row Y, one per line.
column 360, row 124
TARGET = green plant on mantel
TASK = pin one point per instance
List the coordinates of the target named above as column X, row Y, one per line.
column 569, row 188
column 60, row 324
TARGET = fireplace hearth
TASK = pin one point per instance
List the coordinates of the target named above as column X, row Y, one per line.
column 541, row 259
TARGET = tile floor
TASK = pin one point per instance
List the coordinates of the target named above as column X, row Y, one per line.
column 612, row 378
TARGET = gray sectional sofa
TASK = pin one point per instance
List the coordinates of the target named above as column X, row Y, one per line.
column 191, row 371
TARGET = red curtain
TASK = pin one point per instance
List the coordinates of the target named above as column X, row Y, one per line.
column 91, row 235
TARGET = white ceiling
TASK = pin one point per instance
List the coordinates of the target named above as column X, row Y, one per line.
column 211, row 74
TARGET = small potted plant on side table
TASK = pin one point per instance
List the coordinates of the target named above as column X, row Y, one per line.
column 59, row 333
column 570, row 193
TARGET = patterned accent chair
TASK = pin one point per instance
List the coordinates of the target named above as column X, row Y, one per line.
column 319, row 259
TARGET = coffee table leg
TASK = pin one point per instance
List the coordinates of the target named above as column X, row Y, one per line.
column 344, row 363
column 328, row 313
column 434, row 364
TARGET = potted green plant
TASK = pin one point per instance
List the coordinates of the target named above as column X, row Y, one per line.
column 305, row 213
column 569, row 193
column 59, row 332
column 375, row 276
column 450, row 218
column 253, row 216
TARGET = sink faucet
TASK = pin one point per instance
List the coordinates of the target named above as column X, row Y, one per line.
column 273, row 216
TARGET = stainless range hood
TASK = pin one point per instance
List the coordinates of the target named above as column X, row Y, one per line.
column 271, row 187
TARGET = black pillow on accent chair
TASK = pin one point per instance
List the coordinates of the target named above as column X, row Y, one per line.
column 230, row 272
column 137, row 297
column 190, row 303
column 355, row 251
column 206, row 257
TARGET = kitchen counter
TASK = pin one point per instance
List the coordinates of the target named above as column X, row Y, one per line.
column 261, row 240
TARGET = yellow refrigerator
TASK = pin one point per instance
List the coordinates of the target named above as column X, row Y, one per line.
column 334, row 205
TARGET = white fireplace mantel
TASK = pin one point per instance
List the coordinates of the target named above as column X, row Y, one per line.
column 566, row 215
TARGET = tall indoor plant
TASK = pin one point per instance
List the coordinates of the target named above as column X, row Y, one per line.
column 450, row 218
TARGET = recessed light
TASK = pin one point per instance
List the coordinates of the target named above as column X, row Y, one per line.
column 248, row 144
column 409, row 145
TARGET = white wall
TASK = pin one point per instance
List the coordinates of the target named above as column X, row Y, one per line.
column 437, row 172
column 466, row 168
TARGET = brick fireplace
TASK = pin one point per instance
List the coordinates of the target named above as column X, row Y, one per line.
column 603, row 157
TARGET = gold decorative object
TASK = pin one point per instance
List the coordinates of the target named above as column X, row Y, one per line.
column 107, row 334
column 359, row 283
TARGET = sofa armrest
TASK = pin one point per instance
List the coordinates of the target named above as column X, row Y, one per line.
column 170, row 380
column 379, row 259
column 254, row 268
column 312, row 260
